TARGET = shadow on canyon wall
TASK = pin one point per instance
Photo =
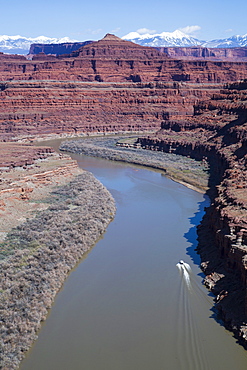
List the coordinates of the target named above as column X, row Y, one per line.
column 192, row 236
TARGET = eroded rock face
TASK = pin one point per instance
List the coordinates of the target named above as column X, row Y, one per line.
column 185, row 53
column 217, row 133
column 106, row 86
column 44, row 108
column 115, row 60
column 21, row 155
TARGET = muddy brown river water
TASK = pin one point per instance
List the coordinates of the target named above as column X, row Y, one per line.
column 127, row 306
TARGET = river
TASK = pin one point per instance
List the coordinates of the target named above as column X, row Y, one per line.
column 128, row 305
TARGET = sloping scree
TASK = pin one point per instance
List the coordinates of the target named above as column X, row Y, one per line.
column 37, row 256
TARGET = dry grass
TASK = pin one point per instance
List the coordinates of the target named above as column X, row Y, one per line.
column 179, row 168
column 38, row 254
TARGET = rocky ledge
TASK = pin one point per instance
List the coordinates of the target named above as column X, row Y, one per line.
column 28, row 175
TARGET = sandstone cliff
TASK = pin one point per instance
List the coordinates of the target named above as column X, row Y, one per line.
column 115, row 60
column 50, row 107
column 187, row 53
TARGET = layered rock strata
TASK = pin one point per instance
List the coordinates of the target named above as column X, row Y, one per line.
column 21, row 155
column 114, row 60
column 45, row 107
column 106, row 86
column 27, row 175
column 176, row 52
column 217, row 133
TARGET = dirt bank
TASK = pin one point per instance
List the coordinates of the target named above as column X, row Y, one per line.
column 185, row 170
column 56, row 226
column 28, row 174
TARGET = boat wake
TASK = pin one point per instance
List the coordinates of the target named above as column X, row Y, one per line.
column 192, row 355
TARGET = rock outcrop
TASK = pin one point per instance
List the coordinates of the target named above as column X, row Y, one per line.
column 186, row 53
column 115, row 60
column 21, row 155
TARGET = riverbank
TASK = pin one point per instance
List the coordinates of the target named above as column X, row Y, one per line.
column 54, row 226
column 24, row 269
column 222, row 277
column 191, row 173
column 222, row 232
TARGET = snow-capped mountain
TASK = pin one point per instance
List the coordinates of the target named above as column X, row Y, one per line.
column 231, row 42
column 20, row 45
column 178, row 38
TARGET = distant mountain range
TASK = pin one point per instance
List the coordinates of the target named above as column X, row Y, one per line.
column 178, row 38
column 21, row 45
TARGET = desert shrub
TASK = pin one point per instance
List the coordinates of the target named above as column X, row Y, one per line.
column 37, row 256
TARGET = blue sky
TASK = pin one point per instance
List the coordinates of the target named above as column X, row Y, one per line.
column 91, row 20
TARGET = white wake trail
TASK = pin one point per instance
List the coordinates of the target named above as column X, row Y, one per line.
column 192, row 356
column 185, row 270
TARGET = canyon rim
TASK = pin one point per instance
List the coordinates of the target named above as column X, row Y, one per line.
column 193, row 107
